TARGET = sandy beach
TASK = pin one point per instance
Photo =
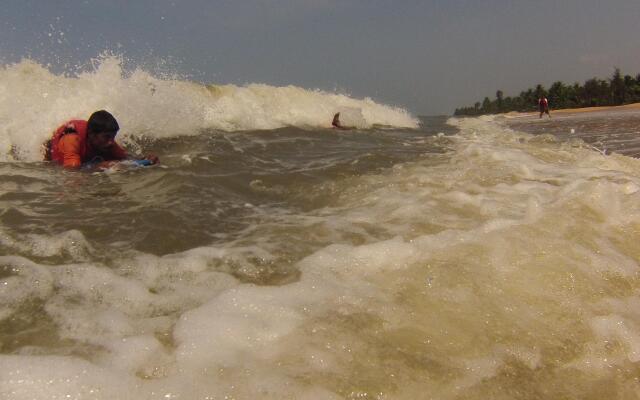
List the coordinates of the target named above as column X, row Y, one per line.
column 608, row 129
column 632, row 106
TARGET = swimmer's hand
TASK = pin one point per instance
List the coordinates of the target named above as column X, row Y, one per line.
column 149, row 159
column 106, row 164
column 142, row 163
column 152, row 159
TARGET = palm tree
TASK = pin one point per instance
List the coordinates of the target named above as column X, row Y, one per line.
column 486, row 105
column 558, row 95
column 591, row 92
column 618, row 94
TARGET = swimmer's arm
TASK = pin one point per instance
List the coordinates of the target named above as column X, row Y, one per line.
column 118, row 153
column 152, row 158
column 149, row 159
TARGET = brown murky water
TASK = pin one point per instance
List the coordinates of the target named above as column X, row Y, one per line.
column 448, row 262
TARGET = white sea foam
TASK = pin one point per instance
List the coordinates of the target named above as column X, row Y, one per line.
column 34, row 101
column 514, row 260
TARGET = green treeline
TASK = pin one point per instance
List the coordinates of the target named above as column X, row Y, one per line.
column 614, row 91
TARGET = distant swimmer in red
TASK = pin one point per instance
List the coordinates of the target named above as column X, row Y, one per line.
column 543, row 106
column 79, row 143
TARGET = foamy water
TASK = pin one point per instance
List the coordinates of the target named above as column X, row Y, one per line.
column 457, row 261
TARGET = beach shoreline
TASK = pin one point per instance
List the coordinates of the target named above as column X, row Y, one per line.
column 616, row 129
column 518, row 114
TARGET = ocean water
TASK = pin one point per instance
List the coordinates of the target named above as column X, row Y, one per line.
column 271, row 257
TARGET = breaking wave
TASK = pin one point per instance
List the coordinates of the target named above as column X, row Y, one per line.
column 33, row 101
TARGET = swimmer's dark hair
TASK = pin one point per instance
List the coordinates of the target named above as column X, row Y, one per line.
column 102, row 121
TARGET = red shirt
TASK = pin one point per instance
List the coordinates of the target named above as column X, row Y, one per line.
column 70, row 147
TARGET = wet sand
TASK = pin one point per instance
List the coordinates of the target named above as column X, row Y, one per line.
column 633, row 106
column 608, row 129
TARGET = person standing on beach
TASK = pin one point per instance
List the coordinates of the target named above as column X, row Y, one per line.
column 543, row 106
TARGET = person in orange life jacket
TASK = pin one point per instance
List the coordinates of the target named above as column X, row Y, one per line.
column 543, row 106
column 79, row 142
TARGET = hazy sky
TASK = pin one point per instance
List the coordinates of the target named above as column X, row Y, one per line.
column 426, row 56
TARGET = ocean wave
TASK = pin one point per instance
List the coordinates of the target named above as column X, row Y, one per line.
column 34, row 101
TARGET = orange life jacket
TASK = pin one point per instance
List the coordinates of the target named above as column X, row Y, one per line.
column 81, row 152
column 77, row 127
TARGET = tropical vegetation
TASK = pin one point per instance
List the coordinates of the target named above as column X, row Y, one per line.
column 614, row 91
